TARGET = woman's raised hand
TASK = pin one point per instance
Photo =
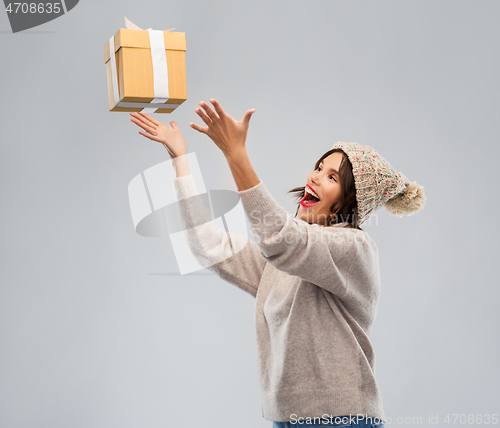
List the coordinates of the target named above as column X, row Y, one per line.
column 228, row 134
column 171, row 136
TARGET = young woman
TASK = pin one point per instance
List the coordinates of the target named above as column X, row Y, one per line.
column 315, row 278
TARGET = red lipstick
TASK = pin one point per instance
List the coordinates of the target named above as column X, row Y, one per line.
column 310, row 202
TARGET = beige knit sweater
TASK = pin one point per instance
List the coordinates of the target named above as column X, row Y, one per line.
column 316, row 291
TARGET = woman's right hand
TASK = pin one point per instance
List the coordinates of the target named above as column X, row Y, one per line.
column 171, row 137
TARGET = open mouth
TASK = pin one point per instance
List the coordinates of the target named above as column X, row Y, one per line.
column 309, row 200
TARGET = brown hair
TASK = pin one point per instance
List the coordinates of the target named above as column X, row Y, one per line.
column 346, row 208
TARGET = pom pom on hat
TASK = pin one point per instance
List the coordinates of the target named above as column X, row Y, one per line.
column 409, row 202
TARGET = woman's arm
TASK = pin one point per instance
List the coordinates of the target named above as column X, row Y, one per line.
column 232, row 256
column 181, row 166
column 242, row 170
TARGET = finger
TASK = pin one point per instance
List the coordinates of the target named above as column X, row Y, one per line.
column 199, row 128
column 151, row 137
column 203, row 116
column 144, row 126
column 174, row 126
column 147, row 116
column 142, row 119
column 218, row 107
column 147, row 120
column 247, row 116
column 210, row 113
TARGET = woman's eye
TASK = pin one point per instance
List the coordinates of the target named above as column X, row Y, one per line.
column 331, row 176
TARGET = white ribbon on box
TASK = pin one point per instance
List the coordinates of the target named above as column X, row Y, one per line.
column 160, row 71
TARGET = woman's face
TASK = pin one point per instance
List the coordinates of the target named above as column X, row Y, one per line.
column 325, row 184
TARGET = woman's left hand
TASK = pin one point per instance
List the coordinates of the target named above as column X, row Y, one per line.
column 228, row 134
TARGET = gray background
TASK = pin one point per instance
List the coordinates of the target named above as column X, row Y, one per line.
column 90, row 338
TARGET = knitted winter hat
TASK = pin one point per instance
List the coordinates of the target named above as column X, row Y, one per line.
column 378, row 183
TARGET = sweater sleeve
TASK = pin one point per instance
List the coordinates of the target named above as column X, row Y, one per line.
column 233, row 257
column 318, row 254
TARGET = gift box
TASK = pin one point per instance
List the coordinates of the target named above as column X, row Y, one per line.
column 146, row 70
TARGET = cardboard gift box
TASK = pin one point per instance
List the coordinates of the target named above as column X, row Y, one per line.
column 147, row 71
